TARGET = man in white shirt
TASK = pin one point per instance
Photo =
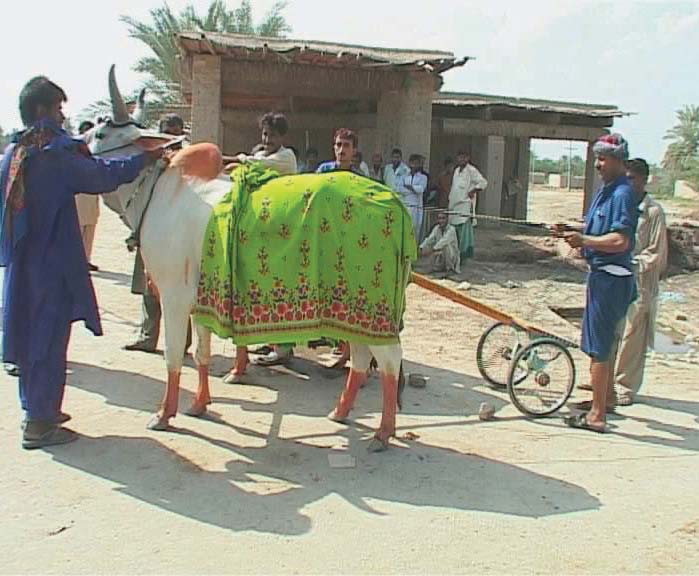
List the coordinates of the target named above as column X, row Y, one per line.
column 411, row 188
column 88, row 211
column 466, row 183
column 443, row 247
column 650, row 258
column 273, row 154
column 395, row 171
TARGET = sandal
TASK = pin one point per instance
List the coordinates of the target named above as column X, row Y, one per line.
column 586, row 405
column 579, row 421
column 54, row 436
column 274, row 359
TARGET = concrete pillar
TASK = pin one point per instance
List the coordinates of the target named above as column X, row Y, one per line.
column 490, row 201
column 522, row 204
column 592, row 179
column 206, row 99
column 404, row 117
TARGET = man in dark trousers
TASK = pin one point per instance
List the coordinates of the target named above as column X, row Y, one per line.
column 47, row 281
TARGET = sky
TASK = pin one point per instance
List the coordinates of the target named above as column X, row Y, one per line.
column 642, row 56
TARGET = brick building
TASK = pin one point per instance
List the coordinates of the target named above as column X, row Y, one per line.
column 391, row 97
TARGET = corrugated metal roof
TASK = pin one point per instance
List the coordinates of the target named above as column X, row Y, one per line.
column 239, row 45
column 481, row 100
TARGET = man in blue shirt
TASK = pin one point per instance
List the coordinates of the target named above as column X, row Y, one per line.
column 47, row 282
column 607, row 242
column 345, row 146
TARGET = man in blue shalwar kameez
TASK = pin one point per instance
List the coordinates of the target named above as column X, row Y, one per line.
column 607, row 242
column 47, row 283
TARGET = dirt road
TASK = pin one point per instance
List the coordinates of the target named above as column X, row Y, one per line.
column 252, row 489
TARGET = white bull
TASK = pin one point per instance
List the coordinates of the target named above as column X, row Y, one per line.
column 171, row 238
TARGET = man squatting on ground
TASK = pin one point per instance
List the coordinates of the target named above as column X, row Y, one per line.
column 607, row 242
column 650, row 260
column 47, row 282
column 442, row 246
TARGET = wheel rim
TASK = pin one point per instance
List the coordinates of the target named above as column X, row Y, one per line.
column 496, row 350
column 549, row 377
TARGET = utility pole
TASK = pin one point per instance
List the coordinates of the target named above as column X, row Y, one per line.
column 570, row 165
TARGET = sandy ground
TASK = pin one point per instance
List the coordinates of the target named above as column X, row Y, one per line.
column 251, row 489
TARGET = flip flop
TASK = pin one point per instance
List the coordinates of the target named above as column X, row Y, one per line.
column 586, row 405
column 579, row 421
column 273, row 359
column 261, row 350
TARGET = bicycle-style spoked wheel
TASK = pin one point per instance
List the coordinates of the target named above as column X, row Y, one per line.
column 549, row 377
column 496, row 348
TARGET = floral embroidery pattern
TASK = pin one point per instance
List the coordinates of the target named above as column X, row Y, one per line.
column 378, row 270
column 263, row 257
column 273, row 268
column 388, row 220
column 305, row 254
column 348, row 204
column 266, row 213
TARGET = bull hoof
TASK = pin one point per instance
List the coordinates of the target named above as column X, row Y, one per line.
column 378, row 445
column 159, row 423
column 234, row 378
column 196, row 411
column 335, row 418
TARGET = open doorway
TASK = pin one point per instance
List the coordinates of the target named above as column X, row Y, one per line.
column 556, row 180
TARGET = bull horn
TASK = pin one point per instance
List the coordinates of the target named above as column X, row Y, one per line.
column 139, row 115
column 120, row 112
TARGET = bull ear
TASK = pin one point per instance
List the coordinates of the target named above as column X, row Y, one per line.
column 120, row 113
column 140, row 114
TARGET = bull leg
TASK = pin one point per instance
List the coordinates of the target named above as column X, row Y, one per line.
column 360, row 360
column 176, row 307
column 242, row 359
column 389, row 359
column 203, row 358
column 388, row 416
column 345, row 403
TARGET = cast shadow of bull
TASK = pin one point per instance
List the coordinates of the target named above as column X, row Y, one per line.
column 296, row 467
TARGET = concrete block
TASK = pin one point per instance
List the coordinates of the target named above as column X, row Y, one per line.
column 538, row 178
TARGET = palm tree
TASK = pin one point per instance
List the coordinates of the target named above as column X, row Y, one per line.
column 159, row 35
column 683, row 150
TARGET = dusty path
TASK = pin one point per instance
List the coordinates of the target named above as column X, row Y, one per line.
column 251, row 489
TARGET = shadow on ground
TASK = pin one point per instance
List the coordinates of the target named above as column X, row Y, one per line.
column 266, row 488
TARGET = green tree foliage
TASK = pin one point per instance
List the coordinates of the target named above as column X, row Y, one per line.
column 683, row 148
column 681, row 160
column 159, row 32
column 560, row 166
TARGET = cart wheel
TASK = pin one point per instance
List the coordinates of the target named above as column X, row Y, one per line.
column 496, row 348
column 548, row 381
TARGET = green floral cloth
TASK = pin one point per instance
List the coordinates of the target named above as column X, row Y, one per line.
column 296, row 258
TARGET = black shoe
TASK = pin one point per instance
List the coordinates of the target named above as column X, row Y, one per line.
column 141, row 346
column 92, row 267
